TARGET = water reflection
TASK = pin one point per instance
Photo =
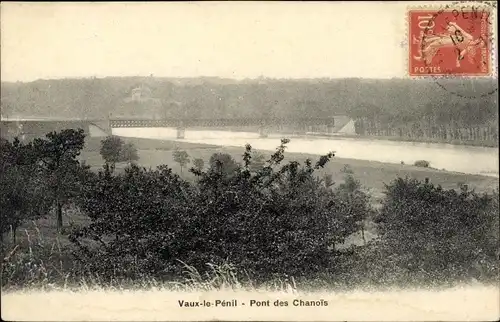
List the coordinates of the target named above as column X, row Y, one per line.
column 473, row 160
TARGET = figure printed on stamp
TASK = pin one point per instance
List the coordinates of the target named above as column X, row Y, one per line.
column 455, row 36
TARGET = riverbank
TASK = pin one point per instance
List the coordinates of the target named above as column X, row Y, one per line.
column 372, row 174
column 472, row 143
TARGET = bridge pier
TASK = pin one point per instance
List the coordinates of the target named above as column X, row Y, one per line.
column 181, row 130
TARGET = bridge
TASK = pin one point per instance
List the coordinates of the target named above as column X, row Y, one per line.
column 30, row 128
column 263, row 124
column 103, row 127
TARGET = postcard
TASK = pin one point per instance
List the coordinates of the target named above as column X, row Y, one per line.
column 252, row 161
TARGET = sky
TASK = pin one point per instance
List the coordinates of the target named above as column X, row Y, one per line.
column 225, row 39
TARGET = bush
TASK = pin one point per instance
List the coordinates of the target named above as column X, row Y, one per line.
column 281, row 220
column 258, row 221
column 111, row 149
column 436, row 235
column 137, row 220
column 223, row 163
column 422, row 163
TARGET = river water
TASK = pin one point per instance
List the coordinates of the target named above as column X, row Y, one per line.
column 466, row 159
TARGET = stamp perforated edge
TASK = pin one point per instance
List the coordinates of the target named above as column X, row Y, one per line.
column 493, row 72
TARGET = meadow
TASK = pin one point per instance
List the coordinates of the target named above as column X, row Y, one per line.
column 371, row 174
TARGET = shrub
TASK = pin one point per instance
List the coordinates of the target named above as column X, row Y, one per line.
column 136, row 219
column 111, row 148
column 422, row 163
column 436, row 235
column 223, row 163
column 280, row 220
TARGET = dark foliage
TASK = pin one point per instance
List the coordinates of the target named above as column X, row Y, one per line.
column 111, row 148
column 269, row 219
column 433, row 235
column 137, row 219
column 280, row 220
column 198, row 164
column 114, row 149
column 223, row 163
column 422, row 163
column 56, row 156
column 23, row 190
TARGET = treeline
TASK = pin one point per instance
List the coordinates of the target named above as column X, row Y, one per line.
column 403, row 108
column 268, row 221
column 472, row 121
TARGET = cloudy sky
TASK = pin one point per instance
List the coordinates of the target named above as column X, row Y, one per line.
column 235, row 40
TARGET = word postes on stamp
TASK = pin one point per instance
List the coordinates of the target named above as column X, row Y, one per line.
column 449, row 42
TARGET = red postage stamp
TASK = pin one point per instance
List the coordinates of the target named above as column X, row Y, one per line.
column 449, row 42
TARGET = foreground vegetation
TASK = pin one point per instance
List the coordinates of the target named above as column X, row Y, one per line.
column 250, row 223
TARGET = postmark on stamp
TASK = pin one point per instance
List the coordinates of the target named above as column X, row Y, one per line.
column 450, row 41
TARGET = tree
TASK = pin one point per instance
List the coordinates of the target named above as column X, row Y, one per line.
column 181, row 157
column 137, row 217
column 198, row 164
column 128, row 153
column 281, row 220
column 57, row 154
column 111, row 148
column 357, row 202
column 223, row 163
column 22, row 191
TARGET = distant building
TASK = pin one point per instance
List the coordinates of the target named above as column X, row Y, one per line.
column 345, row 125
column 139, row 94
column 141, row 104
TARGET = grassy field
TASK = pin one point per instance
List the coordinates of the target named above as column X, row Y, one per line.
column 371, row 174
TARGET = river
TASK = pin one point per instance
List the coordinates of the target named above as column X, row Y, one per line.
column 459, row 158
